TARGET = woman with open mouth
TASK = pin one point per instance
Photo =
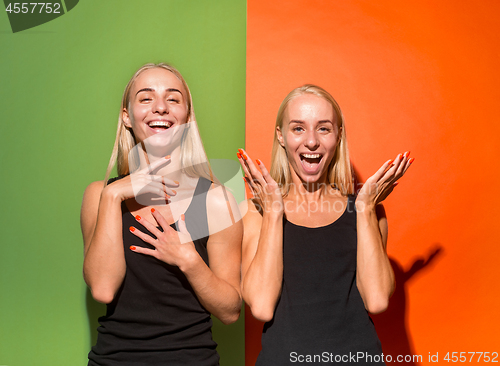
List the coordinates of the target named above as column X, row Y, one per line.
column 162, row 240
column 314, row 260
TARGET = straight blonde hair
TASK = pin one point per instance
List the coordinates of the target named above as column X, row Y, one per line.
column 194, row 161
column 340, row 173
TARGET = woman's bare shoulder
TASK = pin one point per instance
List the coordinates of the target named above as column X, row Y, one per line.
column 251, row 213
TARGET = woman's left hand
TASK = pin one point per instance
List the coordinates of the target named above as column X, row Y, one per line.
column 171, row 246
column 382, row 183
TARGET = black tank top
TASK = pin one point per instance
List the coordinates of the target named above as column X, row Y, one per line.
column 320, row 317
column 156, row 318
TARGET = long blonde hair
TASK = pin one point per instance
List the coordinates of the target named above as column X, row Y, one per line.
column 340, row 174
column 193, row 158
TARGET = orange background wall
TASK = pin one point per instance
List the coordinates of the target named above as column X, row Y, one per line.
column 413, row 75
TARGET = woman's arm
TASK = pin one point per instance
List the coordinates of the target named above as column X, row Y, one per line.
column 375, row 277
column 218, row 287
column 262, row 261
column 101, row 223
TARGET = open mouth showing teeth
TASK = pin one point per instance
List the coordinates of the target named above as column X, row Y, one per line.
column 311, row 158
column 160, row 125
column 311, row 162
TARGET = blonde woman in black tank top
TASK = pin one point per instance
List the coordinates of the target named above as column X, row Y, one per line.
column 156, row 250
column 314, row 260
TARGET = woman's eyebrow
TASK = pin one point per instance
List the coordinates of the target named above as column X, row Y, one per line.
column 174, row 90
column 145, row 90
column 152, row 90
column 320, row 121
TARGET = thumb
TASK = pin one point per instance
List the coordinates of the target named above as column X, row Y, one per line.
column 184, row 235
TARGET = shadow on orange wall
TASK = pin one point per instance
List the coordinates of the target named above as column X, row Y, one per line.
column 392, row 325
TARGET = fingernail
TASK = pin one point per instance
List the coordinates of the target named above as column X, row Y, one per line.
column 167, row 157
column 390, row 162
column 132, row 228
column 399, row 156
column 167, row 196
column 175, row 192
column 243, row 155
column 411, row 160
column 407, row 153
column 395, row 184
column 176, row 182
column 183, row 217
column 138, row 218
column 258, row 161
column 238, row 155
column 153, row 210
column 132, row 247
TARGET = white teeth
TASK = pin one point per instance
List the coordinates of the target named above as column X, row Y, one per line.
column 160, row 124
column 311, row 156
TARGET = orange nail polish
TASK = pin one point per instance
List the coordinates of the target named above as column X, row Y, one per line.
column 238, row 155
column 132, row 247
column 176, row 182
column 175, row 192
column 399, row 156
column 390, row 162
column 137, row 217
column 244, row 157
column 167, row 196
column 132, row 228
column 153, row 210
column 183, row 217
column 240, row 151
column 411, row 160
column 167, row 157
column 258, row 161
column 395, row 184
column 407, row 154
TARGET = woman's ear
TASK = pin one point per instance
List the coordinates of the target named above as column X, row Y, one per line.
column 279, row 136
column 126, row 118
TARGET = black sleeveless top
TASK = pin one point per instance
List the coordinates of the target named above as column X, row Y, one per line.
column 320, row 317
column 155, row 317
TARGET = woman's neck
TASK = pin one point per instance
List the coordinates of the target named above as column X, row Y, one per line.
column 310, row 191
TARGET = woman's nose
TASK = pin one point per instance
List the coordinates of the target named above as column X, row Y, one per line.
column 160, row 106
column 311, row 141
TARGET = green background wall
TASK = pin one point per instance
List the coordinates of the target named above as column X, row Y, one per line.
column 61, row 86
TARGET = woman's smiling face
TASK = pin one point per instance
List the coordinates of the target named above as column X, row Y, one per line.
column 157, row 102
column 309, row 135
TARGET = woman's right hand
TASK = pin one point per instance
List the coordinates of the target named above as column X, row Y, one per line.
column 265, row 190
column 143, row 182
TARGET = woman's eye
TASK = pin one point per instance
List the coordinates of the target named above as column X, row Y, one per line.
column 297, row 129
column 324, row 129
column 173, row 100
column 145, row 99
